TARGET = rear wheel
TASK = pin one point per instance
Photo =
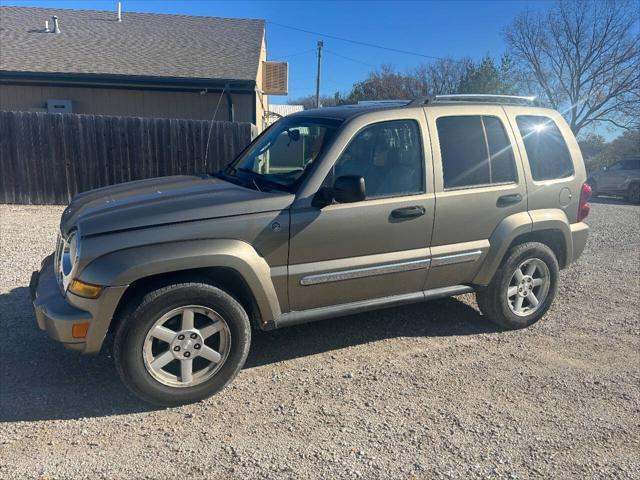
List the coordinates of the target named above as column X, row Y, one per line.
column 181, row 343
column 634, row 193
column 523, row 288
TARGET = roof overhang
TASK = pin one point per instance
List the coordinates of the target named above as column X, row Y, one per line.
column 126, row 81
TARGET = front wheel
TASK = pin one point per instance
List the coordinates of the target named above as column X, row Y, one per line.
column 181, row 343
column 523, row 288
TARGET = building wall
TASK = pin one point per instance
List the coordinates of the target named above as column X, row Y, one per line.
column 262, row 101
column 142, row 103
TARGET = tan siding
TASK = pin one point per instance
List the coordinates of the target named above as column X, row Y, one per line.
column 143, row 103
column 262, row 104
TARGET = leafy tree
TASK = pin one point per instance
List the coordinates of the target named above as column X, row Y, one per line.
column 584, row 59
column 626, row 145
column 591, row 144
column 486, row 77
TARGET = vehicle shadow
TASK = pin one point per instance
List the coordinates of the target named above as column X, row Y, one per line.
column 40, row 380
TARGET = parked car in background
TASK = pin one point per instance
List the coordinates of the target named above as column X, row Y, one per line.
column 621, row 179
column 329, row 212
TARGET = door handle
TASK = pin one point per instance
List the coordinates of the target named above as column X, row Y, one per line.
column 408, row 212
column 506, row 200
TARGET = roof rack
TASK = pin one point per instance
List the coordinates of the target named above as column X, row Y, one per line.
column 474, row 98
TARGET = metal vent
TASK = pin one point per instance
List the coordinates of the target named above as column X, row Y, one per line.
column 59, row 106
column 275, row 78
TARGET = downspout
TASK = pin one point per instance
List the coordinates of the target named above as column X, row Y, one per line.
column 231, row 114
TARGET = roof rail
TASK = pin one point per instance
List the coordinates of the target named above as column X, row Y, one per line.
column 425, row 100
column 474, row 98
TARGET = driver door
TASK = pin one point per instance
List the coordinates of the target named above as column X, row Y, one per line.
column 378, row 247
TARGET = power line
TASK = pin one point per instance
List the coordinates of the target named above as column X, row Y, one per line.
column 350, row 59
column 294, row 54
column 356, row 42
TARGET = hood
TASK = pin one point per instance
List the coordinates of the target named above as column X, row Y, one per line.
column 165, row 200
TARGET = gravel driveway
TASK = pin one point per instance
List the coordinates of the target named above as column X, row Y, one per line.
column 423, row 391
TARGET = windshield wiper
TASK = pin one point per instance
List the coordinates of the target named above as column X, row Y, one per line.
column 252, row 178
column 235, row 179
column 258, row 178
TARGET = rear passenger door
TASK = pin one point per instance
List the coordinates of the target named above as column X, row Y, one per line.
column 478, row 183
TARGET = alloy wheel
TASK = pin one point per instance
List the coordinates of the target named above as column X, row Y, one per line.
column 186, row 346
column 528, row 287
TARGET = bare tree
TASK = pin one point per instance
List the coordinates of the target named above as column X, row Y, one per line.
column 584, row 58
column 442, row 76
column 309, row 101
column 384, row 84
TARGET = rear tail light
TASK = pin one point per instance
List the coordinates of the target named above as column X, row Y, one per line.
column 583, row 207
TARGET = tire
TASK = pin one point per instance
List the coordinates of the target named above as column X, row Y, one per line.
column 137, row 347
column 494, row 300
column 594, row 187
column 634, row 193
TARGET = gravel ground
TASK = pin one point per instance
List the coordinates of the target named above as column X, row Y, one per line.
column 424, row 391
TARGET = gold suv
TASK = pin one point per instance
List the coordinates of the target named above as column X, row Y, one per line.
column 328, row 212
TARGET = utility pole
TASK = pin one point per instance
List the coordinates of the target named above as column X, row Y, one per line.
column 320, row 45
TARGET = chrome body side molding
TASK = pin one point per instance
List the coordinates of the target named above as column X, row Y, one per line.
column 334, row 311
column 365, row 272
column 456, row 258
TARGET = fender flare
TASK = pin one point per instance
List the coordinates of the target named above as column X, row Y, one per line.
column 554, row 219
column 505, row 233
column 518, row 224
column 123, row 267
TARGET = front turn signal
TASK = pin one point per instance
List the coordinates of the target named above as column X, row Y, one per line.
column 79, row 330
column 83, row 289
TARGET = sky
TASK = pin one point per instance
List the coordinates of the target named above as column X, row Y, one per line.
column 426, row 28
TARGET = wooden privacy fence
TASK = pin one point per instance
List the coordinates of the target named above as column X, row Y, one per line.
column 48, row 158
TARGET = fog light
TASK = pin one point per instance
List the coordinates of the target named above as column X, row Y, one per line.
column 87, row 290
column 79, row 330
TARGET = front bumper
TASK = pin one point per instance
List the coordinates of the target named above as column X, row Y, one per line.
column 56, row 314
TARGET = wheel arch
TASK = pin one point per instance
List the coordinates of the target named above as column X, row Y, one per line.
column 224, row 278
column 231, row 265
column 548, row 226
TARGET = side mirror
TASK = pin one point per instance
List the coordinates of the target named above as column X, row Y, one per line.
column 349, row 189
column 346, row 189
column 294, row 135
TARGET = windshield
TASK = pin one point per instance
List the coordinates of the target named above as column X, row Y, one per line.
column 280, row 156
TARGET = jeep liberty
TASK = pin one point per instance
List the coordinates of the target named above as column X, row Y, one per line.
column 329, row 212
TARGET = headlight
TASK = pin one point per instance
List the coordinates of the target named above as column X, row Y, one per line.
column 68, row 258
column 73, row 249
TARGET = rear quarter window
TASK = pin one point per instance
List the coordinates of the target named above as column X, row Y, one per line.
column 546, row 149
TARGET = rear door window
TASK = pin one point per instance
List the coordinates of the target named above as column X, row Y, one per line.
column 546, row 149
column 475, row 151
